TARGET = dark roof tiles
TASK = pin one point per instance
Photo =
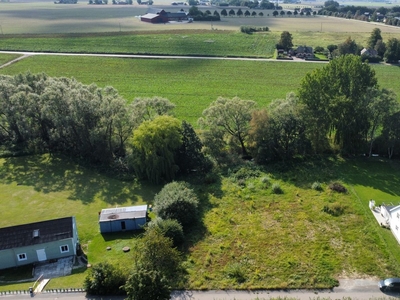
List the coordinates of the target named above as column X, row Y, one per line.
column 45, row 231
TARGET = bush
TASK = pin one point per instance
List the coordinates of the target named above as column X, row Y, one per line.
column 104, row 279
column 337, row 187
column 276, row 188
column 147, row 284
column 316, row 186
column 170, row 228
column 335, row 209
column 245, row 173
column 250, row 29
column 177, row 201
column 211, row 178
column 236, row 271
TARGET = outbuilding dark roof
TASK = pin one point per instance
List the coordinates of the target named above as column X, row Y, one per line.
column 36, row 233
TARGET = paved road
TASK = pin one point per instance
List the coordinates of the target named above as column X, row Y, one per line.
column 27, row 54
column 355, row 289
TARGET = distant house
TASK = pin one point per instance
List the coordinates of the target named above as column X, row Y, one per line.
column 38, row 242
column 123, row 218
column 369, row 52
column 161, row 16
column 302, row 52
column 391, row 214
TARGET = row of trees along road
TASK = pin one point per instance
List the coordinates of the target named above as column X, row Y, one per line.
column 338, row 108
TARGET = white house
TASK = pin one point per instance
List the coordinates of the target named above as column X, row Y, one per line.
column 391, row 214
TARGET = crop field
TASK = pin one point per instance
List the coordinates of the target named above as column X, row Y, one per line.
column 192, row 84
column 180, row 42
column 46, row 17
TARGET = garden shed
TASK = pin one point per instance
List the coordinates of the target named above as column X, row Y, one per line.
column 123, row 218
column 38, row 242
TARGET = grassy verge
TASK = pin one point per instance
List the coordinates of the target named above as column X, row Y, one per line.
column 4, row 58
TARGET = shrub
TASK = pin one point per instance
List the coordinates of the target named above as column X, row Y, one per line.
column 316, row 186
column 276, row 188
column 104, row 279
column 337, row 187
column 335, row 209
column 170, row 228
column 211, row 178
column 147, row 284
column 177, row 201
column 245, row 173
column 236, row 271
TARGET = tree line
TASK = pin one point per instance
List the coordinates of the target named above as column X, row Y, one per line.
column 389, row 16
column 338, row 109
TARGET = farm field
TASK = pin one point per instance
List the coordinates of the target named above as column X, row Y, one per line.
column 46, row 17
column 190, row 84
column 179, row 42
column 276, row 241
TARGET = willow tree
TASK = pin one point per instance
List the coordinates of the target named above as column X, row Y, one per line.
column 154, row 144
column 229, row 117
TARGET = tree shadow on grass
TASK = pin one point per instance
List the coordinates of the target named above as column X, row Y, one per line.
column 376, row 173
column 47, row 174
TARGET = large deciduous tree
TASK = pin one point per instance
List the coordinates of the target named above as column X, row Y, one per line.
column 280, row 133
column 335, row 98
column 382, row 104
column 392, row 53
column 374, row 38
column 286, row 41
column 154, row 145
column 156, row 269
column 229, row 117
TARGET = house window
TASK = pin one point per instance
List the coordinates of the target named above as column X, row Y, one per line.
column 22, row 256
column 398, row 216
column 64, row 248
column 397, row 227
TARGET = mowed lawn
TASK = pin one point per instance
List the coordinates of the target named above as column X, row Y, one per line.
column 192, row 84
column 35, row 188
column 275, row 241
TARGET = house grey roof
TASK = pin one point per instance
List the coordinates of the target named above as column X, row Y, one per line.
column 150, row 16
column 36, row 233
column 123, row 213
